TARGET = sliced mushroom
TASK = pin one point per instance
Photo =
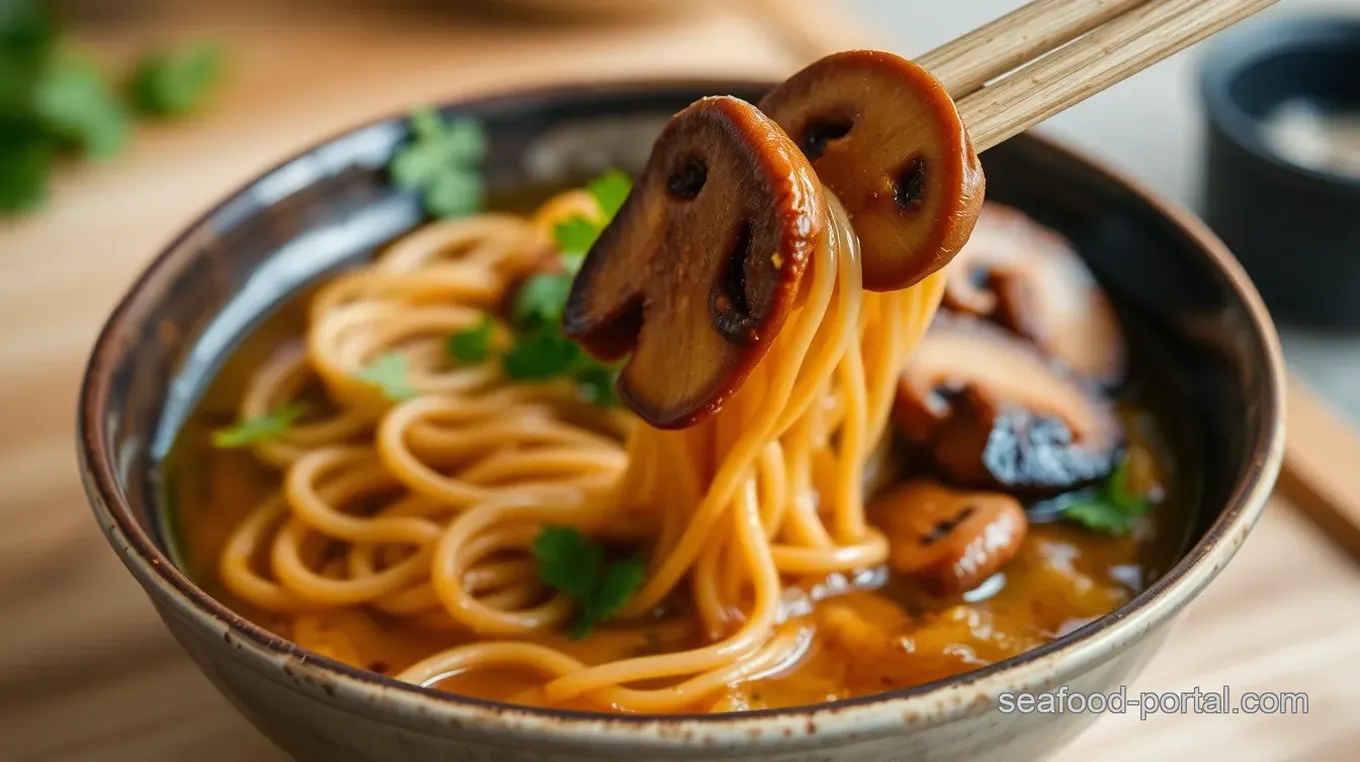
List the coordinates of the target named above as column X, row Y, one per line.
column 699, row 269
column 993, row 412
column 950, row 541
column 1028, row 278
column 885, row 137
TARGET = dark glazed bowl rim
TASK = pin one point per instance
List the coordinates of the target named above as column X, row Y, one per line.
column 1237, row 50
column 406, row 705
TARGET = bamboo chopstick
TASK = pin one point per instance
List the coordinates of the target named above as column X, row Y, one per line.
column 969, row 62
column 1109, row 53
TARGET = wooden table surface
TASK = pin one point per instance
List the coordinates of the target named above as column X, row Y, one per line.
column 86, row 670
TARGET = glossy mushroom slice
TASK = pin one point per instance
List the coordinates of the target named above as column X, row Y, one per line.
column 885, row 137
column 699, row 269
column 993, row 412
column 1028, row 278
column 950, row 541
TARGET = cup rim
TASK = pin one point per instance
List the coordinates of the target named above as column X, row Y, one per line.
column 925, row 705
column 1240, row 49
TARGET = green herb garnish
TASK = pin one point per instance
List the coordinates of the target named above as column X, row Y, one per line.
column 576, row 234
column 54, row 103
column 76, row 105
column 540, row 300
column 576, row 565
column 472, row 345
column 26, row 162
column 1113, row 509
column 541, row 354
column 610, row 191
column 538, row 351
column 389, row 373
column 259, row 429
column 596, row 384
column 174, row 82
column 574, row 237
column 439, row 163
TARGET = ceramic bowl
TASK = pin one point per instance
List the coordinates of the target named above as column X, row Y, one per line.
column 332, row 204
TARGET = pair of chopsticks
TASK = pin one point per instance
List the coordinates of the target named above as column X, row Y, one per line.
column 1042, row 58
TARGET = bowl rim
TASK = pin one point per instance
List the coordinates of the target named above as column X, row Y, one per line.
column 875, row 715
column 1238, row 50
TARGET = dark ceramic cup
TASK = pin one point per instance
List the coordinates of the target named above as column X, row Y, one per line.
column 1174, row 282
column 1295, row 228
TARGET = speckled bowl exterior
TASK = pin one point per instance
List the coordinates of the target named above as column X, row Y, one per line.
column 332, row 204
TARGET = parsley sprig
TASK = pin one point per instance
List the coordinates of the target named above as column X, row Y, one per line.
column 56, row 103
column 576, row 565
column 575, row 235
column 262, row 428
column 389, row 373
column 174, row 82
column 472, row 345
column 538, row 351
column 1113, row 508
column 440, row 163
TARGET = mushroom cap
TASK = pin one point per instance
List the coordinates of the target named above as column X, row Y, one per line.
column 884, row 135
column 951, row 541
column 1029, row 279
column 993, row 412
column 701, row 266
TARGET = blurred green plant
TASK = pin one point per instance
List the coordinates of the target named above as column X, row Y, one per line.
column 55, row 102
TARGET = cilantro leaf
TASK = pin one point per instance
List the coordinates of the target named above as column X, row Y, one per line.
column 540, row 351
column 28, row 33
column 389, row 373
column 454, row 194
column 471, row 345
column 540, row 354
column 615, row 586
column 575, row 235
column 25, row 170
column 173, row 82
column 596, row 383
column 437, row 163
column 610, row 190
column 259, row 429
column 574, row 564
column 568, row 561
column 1099, row 514
column 73, row 101
column 1113, row 509
column 540, row 300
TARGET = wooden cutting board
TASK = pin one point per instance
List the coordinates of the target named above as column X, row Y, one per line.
column 87, row 671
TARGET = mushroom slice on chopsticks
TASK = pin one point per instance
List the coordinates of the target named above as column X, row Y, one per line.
column 884, row 136
column 701, row 266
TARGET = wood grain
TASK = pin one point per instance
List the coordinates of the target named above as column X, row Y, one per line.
column 1322, row 466
column 86, row 670
column 968, row 62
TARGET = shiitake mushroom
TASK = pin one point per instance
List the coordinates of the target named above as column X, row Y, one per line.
column 1029, row 279
column 700, row 268
column 993, row 412
column 885, row 137
column 950, row 541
